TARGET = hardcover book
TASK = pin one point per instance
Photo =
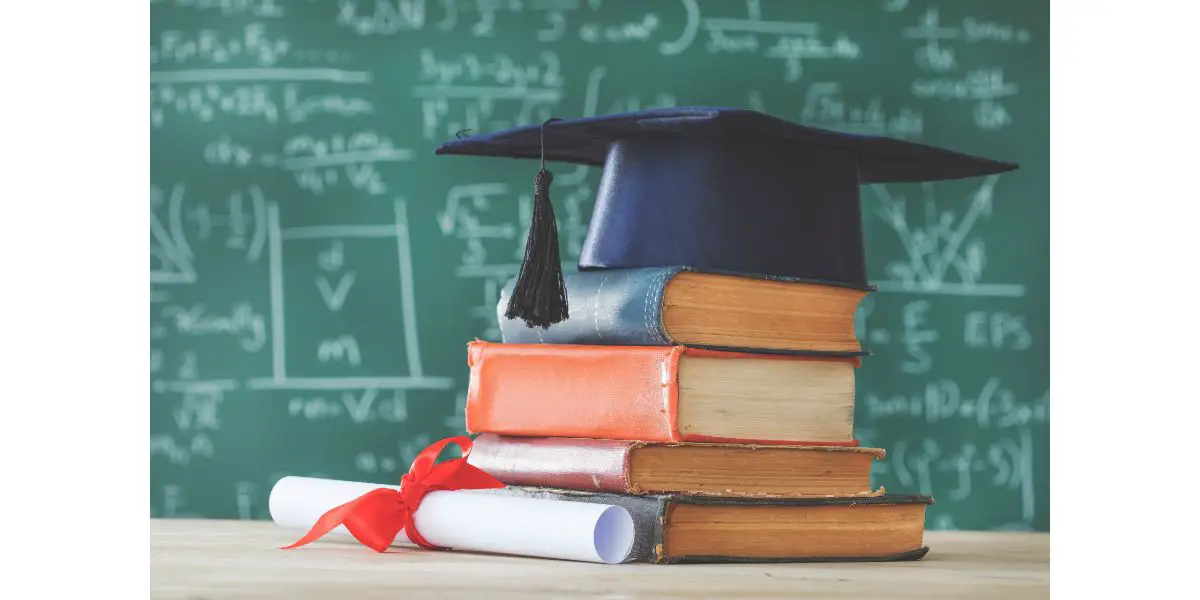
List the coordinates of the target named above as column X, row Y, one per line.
column 690, row 529
column 659, row 394
column 694, row 469
column 675, row 305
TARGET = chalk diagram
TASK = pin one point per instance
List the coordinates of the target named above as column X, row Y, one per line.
column 252, row 226
column 940, row 255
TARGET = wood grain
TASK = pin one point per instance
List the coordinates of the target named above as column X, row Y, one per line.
column 210, row 559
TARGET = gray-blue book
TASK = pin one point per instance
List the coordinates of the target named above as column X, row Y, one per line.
column 667, row 306
column 677, row 528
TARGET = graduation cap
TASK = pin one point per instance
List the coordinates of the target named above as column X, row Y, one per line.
column 714, row 189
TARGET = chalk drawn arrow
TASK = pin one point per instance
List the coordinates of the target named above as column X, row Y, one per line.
column 335, row 297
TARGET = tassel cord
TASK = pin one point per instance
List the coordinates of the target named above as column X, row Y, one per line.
column 539, row 295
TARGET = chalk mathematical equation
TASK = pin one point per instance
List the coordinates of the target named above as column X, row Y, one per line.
column 992, row 407
column 315, row 270
column 957, row 471
column 195, row 418
column 468, row 92
column 290, row 103
column 254, row 8
column 916, row 333
column 793, row 43
column 318, row 163
column 983, row 86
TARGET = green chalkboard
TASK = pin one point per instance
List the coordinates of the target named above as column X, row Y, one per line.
column 316, row 271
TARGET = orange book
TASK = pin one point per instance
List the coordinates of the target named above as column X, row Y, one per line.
column 660, row 394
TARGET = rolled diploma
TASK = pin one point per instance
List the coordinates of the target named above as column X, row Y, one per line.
column 474, row 521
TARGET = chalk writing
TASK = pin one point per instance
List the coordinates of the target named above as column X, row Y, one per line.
column 181, row 449
column 997, row 330
column 916, row 336
column 978, row 84
column 341, row 348
column 292, row 103
column 369, row 463
column 335, row 297
column 825, row 106
column 956, row 472
column 382, row 18
column 359, row 407
column 252, row 43
column 984, row 85
column 976, row 30
column 639, row 30
column 372, row 463
column 794, row 43
column 322, row 162
column 195, row 417
column 1003, row 465
column 257, row 8
column 479, row 18
column 470, row 92
column 941, row 400
column 499, row 69
column 242, row 323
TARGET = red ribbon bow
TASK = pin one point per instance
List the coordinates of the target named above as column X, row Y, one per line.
column 376, row 517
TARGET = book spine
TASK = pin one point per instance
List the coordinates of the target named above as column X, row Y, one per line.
column 621, row 307
column 602, row 392
column 574, row 464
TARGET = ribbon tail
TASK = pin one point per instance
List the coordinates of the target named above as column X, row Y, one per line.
column 365, row 517
column 328, row 522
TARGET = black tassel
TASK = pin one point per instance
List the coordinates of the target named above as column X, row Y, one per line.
column 539, row 296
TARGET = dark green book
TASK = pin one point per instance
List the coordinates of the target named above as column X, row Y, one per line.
column 690, row 529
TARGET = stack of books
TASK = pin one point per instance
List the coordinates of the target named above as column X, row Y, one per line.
column 718, row 409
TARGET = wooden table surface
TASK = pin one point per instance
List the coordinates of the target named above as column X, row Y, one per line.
column 209, row 559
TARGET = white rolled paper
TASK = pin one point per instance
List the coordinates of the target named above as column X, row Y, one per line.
column 474, row 521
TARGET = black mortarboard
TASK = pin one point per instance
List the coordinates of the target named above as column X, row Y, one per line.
column 715, row 189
